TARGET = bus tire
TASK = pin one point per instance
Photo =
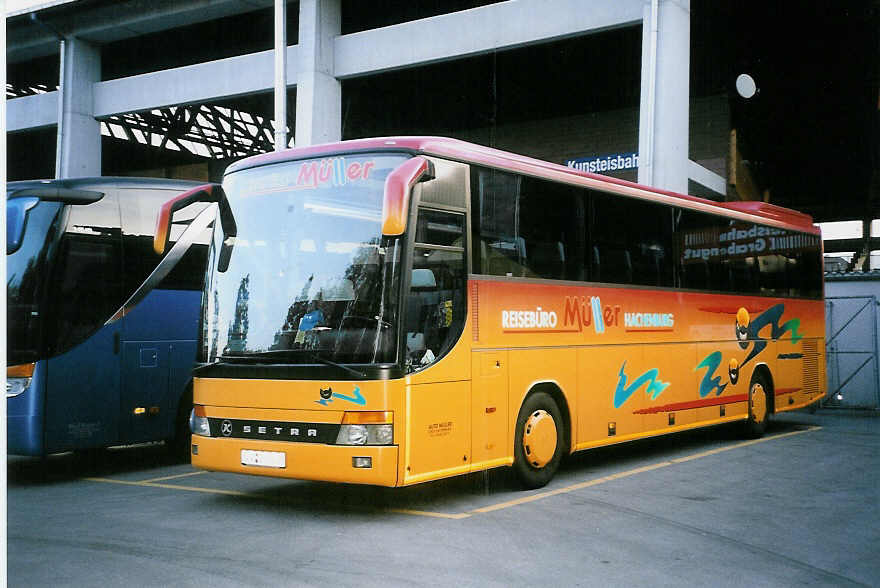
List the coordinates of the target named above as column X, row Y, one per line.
column 179, row 445
column 538, row 441
column 759, row 406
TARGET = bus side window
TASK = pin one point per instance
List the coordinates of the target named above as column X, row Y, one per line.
column 632, row 241
column 528, row 227
column 614, row 264
column 87, row 273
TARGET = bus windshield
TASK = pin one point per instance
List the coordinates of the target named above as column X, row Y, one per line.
column 31, row 234
column 311, row 277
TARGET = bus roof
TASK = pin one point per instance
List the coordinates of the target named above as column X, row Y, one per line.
column 471, row 153
column 105, row 181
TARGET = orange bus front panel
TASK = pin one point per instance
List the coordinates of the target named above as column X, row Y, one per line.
column 292, row 426
column 438, row 436
column 303, row 461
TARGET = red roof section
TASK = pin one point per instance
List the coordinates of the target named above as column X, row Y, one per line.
column 473, row 153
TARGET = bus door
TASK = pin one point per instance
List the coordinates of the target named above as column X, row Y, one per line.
column 159, row 332
column 436, row 308
column 145, row 375
column 82, row 393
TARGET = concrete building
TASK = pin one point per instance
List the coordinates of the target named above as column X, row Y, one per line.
column 182, row 88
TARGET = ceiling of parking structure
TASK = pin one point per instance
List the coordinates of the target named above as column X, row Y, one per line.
column 212, row 135
column 215, row 134
column 108, row 21
column 811, row 135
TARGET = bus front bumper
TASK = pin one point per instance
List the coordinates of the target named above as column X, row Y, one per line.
column 24, row 435
column 303, row 461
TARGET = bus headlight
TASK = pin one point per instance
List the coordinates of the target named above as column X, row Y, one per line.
column 198, row 422
column 380, row 434
column 352, row 435
column 365, row 435
column 16, row 386
column 366, row 428
column 18, row 378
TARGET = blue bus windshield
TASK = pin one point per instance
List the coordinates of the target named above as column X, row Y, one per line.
column 34, row 228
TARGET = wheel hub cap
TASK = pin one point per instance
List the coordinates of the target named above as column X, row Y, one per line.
column 759, row 403
column 539, row 438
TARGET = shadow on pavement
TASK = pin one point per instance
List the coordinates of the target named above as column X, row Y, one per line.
column 64, row 467
column 461, row 494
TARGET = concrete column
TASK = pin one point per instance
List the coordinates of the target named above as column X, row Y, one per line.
column 280, row 74
column 665, row 103
column 79, row 134
column 318, row 92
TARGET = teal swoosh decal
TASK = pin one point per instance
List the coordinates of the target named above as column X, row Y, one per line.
column 358, row 398
column 650, row 377
column 710, row 381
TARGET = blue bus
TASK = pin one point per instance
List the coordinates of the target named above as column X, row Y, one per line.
column 101, row 329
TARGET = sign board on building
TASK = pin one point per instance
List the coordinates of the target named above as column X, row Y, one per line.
column 605, row 163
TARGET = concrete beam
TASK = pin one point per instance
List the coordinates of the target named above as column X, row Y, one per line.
column 34, row 6
column 204, row 82
column 32, row 112
column 504, row 25
column 850, row 245
column 707, row 178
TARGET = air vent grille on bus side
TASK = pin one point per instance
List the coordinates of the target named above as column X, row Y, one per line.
column 475, row 310
column 813, row 368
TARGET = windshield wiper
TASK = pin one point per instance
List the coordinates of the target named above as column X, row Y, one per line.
column 253, row 357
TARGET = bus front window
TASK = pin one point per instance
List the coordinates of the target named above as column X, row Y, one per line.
column 311, row 277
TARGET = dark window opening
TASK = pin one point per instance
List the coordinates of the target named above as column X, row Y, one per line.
column 530, row 228
column 436, row 306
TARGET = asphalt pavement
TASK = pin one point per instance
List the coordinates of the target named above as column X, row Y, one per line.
column 801, row 506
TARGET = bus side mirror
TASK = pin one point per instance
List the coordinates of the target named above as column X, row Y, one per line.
column 166, row 212
column 398, row 187
column 206, row 193
column 16, row 219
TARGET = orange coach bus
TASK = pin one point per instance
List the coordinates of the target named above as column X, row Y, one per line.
column 392, row 311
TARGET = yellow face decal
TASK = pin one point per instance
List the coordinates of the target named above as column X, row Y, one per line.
column 733, row 371
column 742, row 326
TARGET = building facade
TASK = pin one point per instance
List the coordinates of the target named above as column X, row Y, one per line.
column 605, row 84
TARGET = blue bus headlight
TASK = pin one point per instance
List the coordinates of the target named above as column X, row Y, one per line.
column 16, row 386
column 198, row 422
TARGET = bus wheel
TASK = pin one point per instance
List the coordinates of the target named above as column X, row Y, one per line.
column 759, row 407
column 538, row 443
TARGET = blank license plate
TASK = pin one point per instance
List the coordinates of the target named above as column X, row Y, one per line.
column 265, row 459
